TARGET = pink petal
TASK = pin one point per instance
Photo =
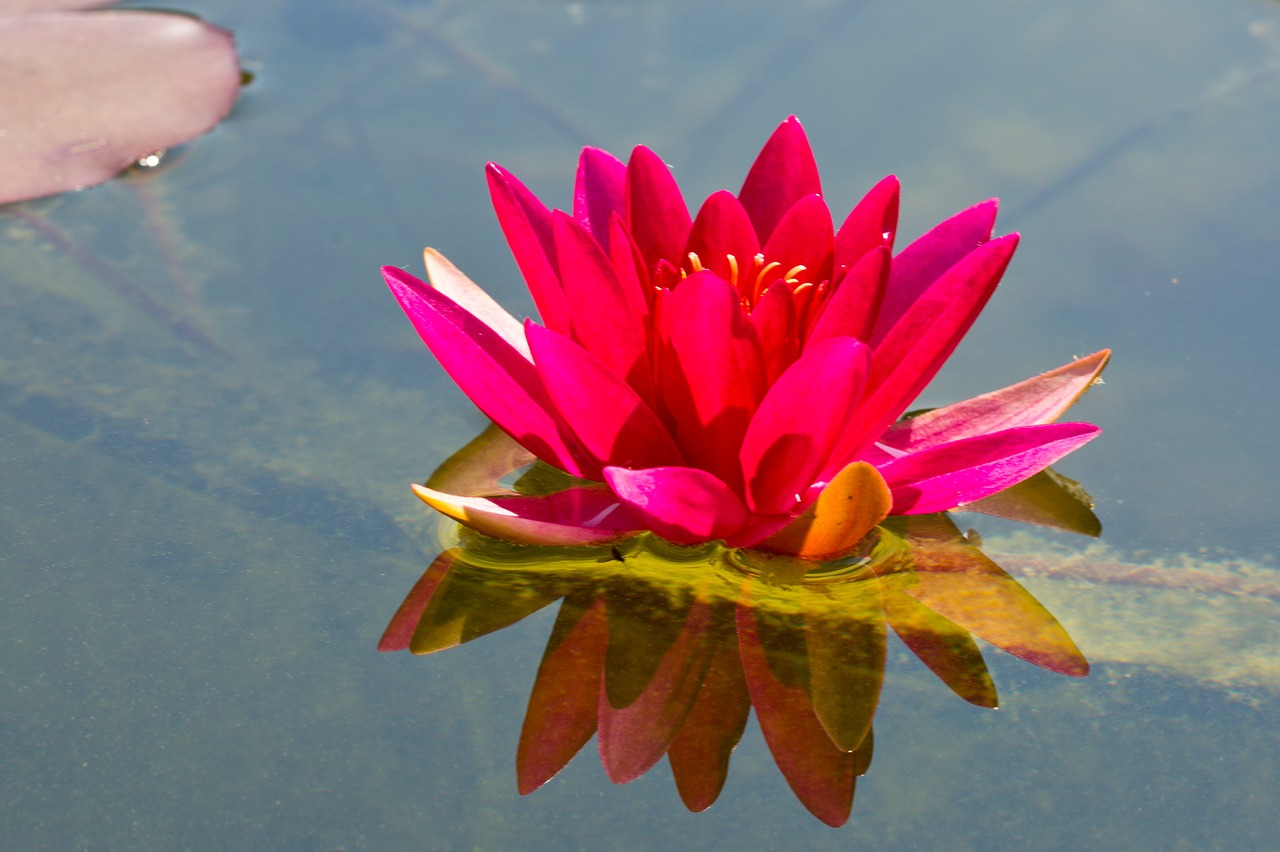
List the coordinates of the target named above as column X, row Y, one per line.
column 871, row 224
column 609, row 418
column 576, row 516
column 468, row 295
column 800, row 420
column 913, row 352
column 657, row 216
column 527, row 226
column 683, row 505
column 803, row 237
column 87, row 95
column 1042, row 399
column 497, row 378
column 774, row 317
column 949, row 475
column 711, row 373
column 599, row 192
column 607, row 318
column 851, row 310
column 920, row 264
column 782, row 174
column 722, row 228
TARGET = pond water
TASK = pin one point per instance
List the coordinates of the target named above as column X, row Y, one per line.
column 211, row 410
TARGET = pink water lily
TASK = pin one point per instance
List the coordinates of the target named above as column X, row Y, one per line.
column 736, row 375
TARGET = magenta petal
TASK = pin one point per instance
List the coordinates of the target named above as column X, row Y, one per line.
column 783, row 173
column 449, row 280
column 851, row 310
column 949, row 475
column 526, row 223
column 790, row 439
column 913, row 352
column 588, row 514
column 711, row 373
column 920, row 264
column 86, row 95
column 683, row 505
column 609, row 418
column 803, row 237
column 871, row 224
column 599, row 192
column 776, row 322
column 657, row 216
column 607, row 317
column 498, row 379
column 1042, row 399
column 720, row 229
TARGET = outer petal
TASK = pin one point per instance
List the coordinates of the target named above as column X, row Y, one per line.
column 657, row 216
column 871, row 224
column 450, row 280
column 606, row 317
column 801, row 419
column 609, row 418
column 920, row 263
column 946, row 476
column 783, row 173
column 1042, row 399
column 498, row 379
column 526, row 223
column 587, row 515
column 683, row 505
column 599, row 192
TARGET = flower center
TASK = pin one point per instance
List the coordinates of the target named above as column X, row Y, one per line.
column 757, row 276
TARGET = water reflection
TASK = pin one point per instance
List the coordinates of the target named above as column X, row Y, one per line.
column 659, row 649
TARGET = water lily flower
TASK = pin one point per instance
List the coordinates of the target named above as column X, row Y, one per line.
column 739, row 374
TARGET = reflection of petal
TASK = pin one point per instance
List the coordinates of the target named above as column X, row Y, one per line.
column 562, row 706
column 948, row 650
column 1048, row 499
column 846, row 651
column 821, row 775
column 958, row 581
column 699, row 754
column 650, row 683
column 399, row 632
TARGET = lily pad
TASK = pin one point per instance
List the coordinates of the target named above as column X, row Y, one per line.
column 86, row 94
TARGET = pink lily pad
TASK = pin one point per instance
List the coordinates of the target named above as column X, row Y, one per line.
column 85, row 95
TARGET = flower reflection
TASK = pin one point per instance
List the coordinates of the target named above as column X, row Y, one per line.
column 660, row 649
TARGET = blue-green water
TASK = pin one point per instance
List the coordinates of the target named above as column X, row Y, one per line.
column 210, row 411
